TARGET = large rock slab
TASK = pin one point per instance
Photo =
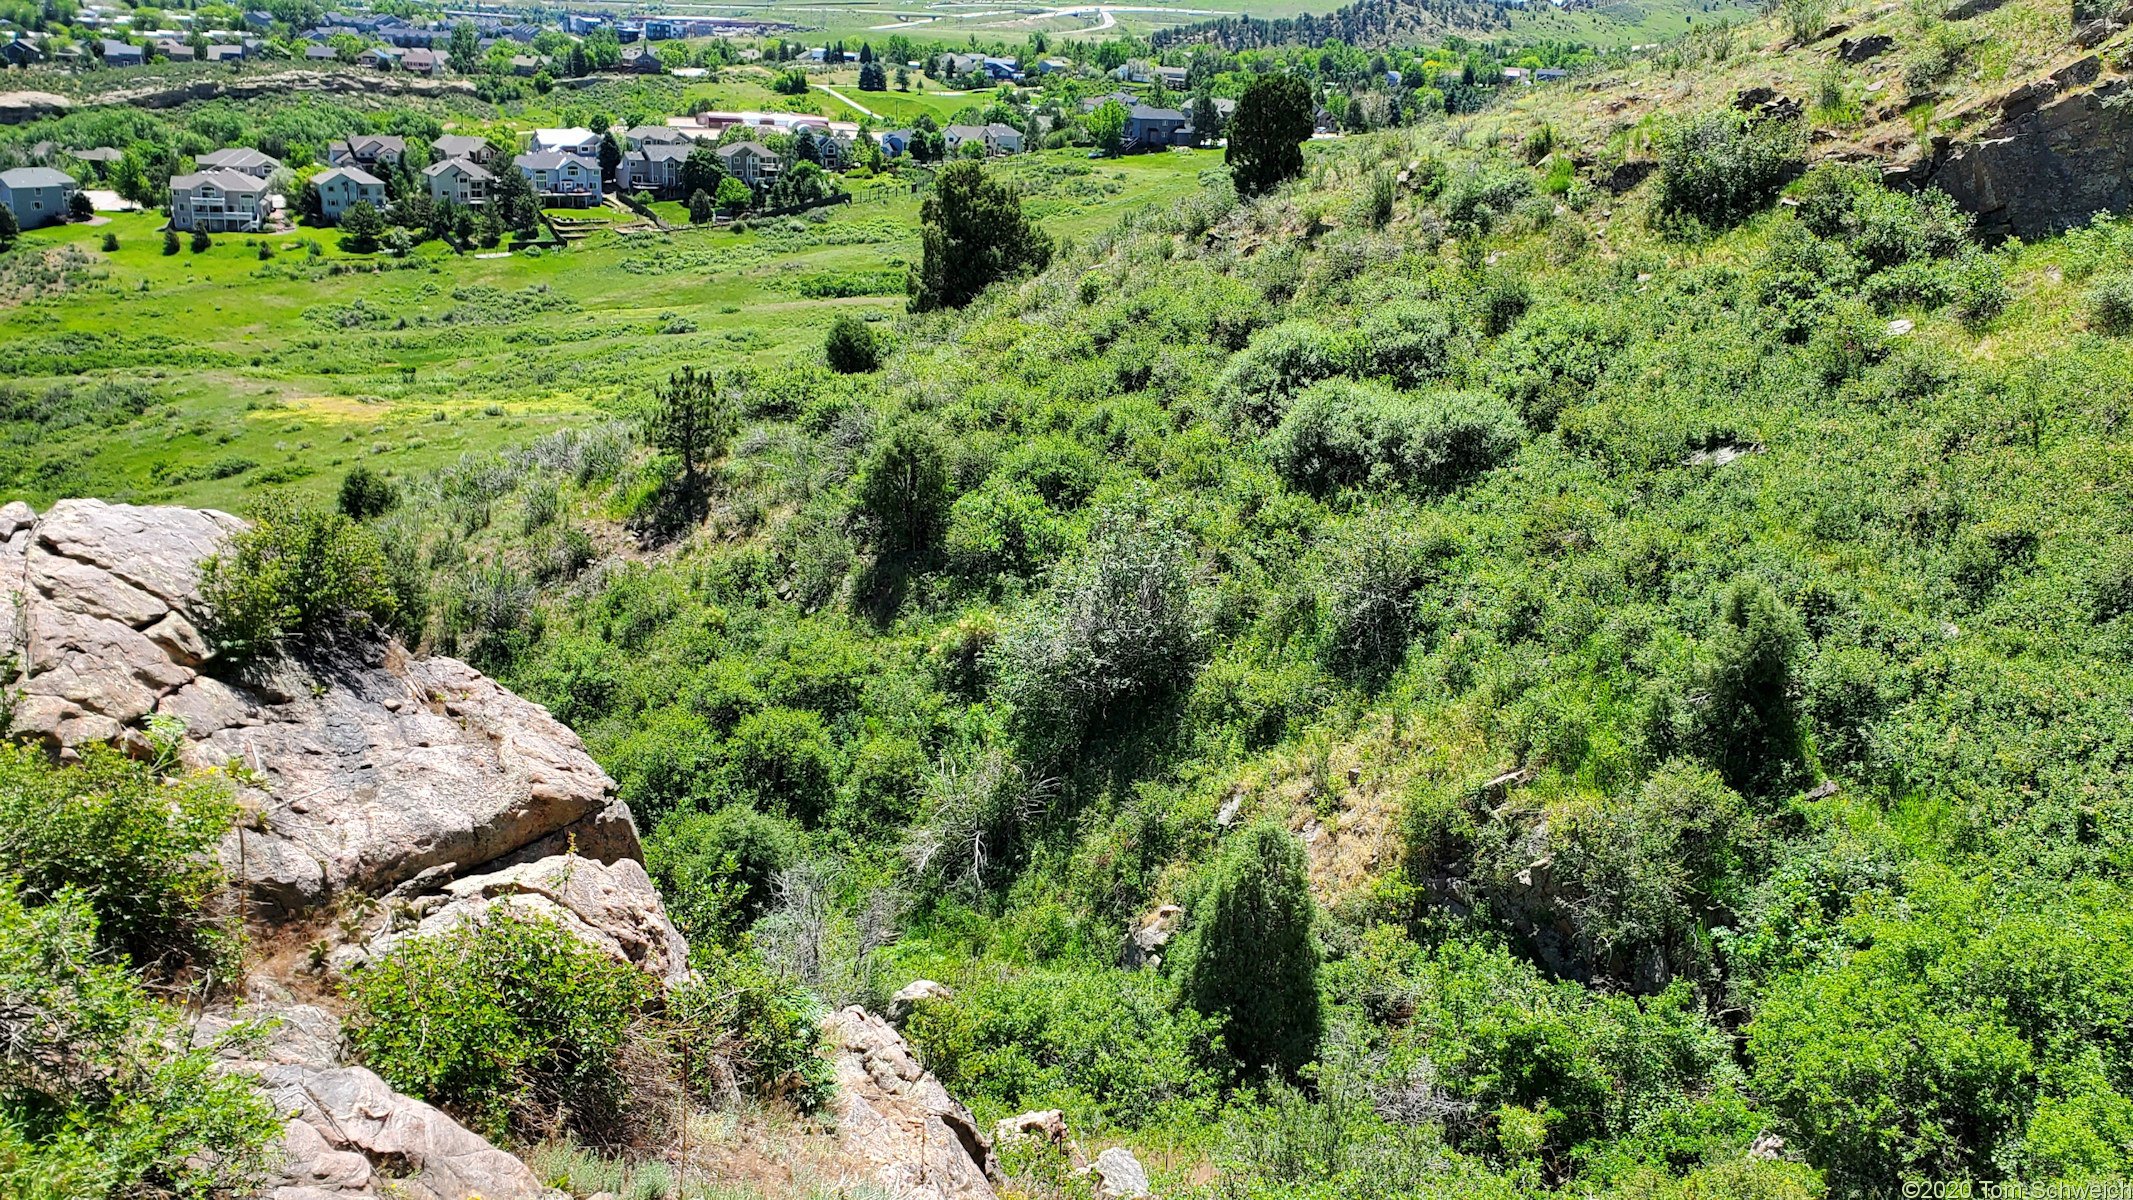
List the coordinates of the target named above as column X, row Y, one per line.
column 613, row 908
column 347, row 1135
column 896, row 1117
column 363, row 773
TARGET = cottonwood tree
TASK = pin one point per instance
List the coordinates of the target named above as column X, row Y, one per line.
column 974, row 234
column 1267, row 133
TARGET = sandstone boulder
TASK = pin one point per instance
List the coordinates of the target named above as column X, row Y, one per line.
column 1143, row 946
column 907, row 998
column 347, row 1135
column 612, row 907
column 1119, row 1175
column 895, row 1117
column 367, row 771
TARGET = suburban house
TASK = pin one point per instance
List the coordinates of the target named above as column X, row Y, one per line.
column 218, row 202
column 370, row 151
column 241, row 159
column 378, row 58
column 1550, row 74
column 561, row 180
column 1053, row 66
column 955, row 135
column 583, row 143
column 321, row 54
column 460, row 145
column 461, row 180
column 647, row 135
column 656, row 169
column 36, row 195
column 225, row 54
column 835, row 151
column 173, row 49
column 18, row 53
column 525, row 64
column 422, row 62
column 640, row 60
column 123, row 54
column 1126, row 100
column 1147, row 127
column 1003, row 139
column 749, row 162
column 1170, row 77
column 894, row 141
column 342, row 188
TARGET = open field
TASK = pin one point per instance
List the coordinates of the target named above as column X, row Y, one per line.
column 287, row 370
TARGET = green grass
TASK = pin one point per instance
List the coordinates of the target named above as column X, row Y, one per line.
column 274, row 363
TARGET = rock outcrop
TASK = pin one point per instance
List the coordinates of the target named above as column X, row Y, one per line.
column 365, row 774
column 1119, row 1175
column 612, row 907
column 349, row 1136
column 2059, row 152
column 1144, row 945
column 895, row 1117
column 911, row 995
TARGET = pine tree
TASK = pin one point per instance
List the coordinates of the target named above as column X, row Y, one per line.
column 701, row 207
column 1267, row 133
column 691, row 419
column 974, row 234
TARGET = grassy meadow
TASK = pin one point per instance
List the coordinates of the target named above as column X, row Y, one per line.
column 304, row 363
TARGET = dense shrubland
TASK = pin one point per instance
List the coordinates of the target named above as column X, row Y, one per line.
column 1595, row 708
column 1740, row 676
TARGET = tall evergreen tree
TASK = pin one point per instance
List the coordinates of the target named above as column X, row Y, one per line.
column 1267, row 133
column 974, row 234
column 1251, row 956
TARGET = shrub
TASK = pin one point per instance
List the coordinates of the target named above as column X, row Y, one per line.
column 170, row 242
column 715, row 869
column 1408, row 344
column 1479, row 197
column 366, row 494
column 201, row 241
column 1061, row 471
column 297, row 571
column 851, row 348
column 2111, row 304
column 742, row 1022
column 1108, row 1047
column 102, row 1092
column 1251, row 954
column 1260, row 380
column 902, row 489
column 1743, row 717
column 781, row 756
column 111, row 243
column 1115, row 633
column 503, row 1022
column 136, row 851
column 1719, row 168
column 1003, row 529
column 1341, row 434
column 1369, row 577
column 1552, row 361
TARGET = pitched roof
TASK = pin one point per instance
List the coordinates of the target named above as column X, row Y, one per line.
column 36, row 177
column 459, row 145
column 1142, row 112
column 352, row 175
column 662, row 152
column 99, row 154
column 228, row 181
column 563, row 137
column 656, row 133
column 236, row 158
column 966, row 131
column 995, row 129
column 546, row 160
column 321, row 52
column 756, row 148
column 474, row 170
column 376, row 143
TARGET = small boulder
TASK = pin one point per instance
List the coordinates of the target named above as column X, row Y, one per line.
column 1045, row 1127
column 906, row 1000
column 1144, row 946
column 1119, row 1175
column 1859, row 50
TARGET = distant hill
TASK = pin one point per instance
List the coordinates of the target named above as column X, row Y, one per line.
column 1363, row 23
column 1409, row 22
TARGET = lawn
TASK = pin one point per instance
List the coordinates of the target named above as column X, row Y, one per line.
column 288, row 370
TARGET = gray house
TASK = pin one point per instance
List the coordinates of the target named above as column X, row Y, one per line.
column 123, row 54
column 241, row 159
column 1146, row 127
column 342, row 188
column 36, row 195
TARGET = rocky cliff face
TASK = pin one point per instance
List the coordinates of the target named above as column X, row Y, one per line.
column 419, row 781
column 2059, row 151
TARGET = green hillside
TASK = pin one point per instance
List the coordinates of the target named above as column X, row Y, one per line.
column 1602, row 635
